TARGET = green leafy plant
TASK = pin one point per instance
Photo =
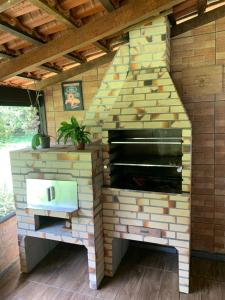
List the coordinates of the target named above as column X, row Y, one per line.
column 40, row 139
column 75, row 132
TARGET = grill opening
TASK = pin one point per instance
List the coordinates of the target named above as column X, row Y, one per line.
column 148, row 160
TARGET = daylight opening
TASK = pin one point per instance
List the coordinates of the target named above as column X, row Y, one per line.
column 17, row 126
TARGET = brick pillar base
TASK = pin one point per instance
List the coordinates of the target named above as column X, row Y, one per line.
column 184, row 269
column 115, row 249
column 96, row 263
column 32, row 250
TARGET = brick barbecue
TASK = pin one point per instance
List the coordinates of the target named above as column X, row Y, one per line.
column 137, row 93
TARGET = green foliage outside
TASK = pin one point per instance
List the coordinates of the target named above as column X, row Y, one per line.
column 17, row 122
column 6, row 201
column 17, row 126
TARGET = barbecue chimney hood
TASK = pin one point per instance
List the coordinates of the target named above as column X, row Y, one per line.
column 148, row 97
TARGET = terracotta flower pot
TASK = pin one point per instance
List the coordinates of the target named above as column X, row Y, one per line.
column 80, row 146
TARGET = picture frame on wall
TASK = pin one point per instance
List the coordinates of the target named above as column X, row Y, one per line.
column 72, row 95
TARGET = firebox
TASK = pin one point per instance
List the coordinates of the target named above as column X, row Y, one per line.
column 148, row 160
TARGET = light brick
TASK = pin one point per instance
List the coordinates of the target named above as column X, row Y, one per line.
column 129, row 207
column 163, row 218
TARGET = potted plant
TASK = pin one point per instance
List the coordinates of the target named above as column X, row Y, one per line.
column 40, row 139
column 75, row 132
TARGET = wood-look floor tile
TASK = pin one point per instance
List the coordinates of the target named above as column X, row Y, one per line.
column 212, row 290
column 28, row 291
column 169, row 286
column 71, row 274
column 109, row 286
column 150, row 284
column 218, row 271
column 143, row 275
column 52, row 293
column 11, row 281
column 78, row 296
column 131, row 283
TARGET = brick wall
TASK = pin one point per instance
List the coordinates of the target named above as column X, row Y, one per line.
column 53, row 98
column 198, row 71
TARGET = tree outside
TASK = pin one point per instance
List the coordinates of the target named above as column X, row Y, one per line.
column 17, row 126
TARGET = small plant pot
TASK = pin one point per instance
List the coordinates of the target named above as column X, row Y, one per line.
column 80, row 146
column 45, row 142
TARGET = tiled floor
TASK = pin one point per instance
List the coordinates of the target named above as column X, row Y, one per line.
column 143, row 275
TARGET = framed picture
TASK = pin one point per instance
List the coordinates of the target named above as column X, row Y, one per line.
column 72, row 95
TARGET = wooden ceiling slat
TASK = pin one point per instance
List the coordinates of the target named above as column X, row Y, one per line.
column 203, row 19
column 184, row 9
column 5, row 4
column 20, row 9
column 125, row 16
column 67, row 20
column 68, row 4
column 16, row 28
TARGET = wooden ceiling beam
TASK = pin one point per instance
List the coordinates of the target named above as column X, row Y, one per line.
column 107, row 4
column 201, row 20
column 201, row 6
column 47, row 66
column 121, row 18
column 73, row 71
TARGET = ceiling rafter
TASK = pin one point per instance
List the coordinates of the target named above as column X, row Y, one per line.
column 201, row 6
column 203, row 19
column 107, row 4
column 127, row 15
column 73, row 71
column 62, row 16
